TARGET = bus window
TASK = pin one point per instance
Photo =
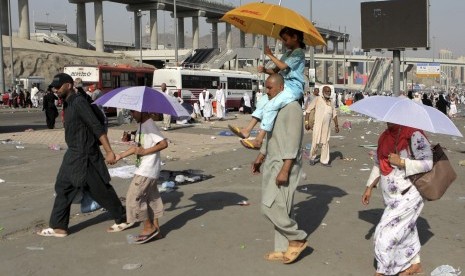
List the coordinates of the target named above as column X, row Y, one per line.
column 239, row 83
column 200, row 82
column 124, row 79
column 116, row 81
column 106, row 79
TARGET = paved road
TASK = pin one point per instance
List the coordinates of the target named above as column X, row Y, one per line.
column 207, row 233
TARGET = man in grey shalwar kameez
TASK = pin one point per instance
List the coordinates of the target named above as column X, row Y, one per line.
column 281, row 155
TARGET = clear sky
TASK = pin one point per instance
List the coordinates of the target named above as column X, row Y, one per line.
column 447, row 20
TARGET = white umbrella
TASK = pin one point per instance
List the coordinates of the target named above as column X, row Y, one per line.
column 406, row 112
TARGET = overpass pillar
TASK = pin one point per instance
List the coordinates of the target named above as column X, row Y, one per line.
column 195, row 32
column 154, row 29
column 351, row 70
column 335, row 65
column 242, row 39
column 4, row 17
column 325, row 67
column 81, row 25
column 215, row 35
column 98, row 10
column 228, row 36
column 181, row 44
column 137, row 30
column 254, row 41
column 23, row 9
column 462, row 74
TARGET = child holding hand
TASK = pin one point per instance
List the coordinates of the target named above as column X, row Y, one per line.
column 143, row 201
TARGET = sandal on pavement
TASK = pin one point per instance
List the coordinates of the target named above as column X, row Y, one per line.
column 247, row 143
column 140, row 239
column 50, row 232
column 293, row 253
column 274, row 256
column 119, row 227
column 237, row 131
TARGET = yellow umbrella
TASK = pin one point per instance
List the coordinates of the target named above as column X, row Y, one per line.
column 269, row 19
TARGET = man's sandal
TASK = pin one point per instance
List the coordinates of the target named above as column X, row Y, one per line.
column 274, row 256
column 50, row 232
column 293, row 253
column 119, row 227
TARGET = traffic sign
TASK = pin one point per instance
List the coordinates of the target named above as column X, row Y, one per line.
column 428, row 70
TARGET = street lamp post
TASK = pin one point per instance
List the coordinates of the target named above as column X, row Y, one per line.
column 2, row 72
column 11, row 47
column 312, row 49
column 175, row 33
column 139, row 14
column 344, row 63
column 434, row 40
column 447, row 81
column 131, row 29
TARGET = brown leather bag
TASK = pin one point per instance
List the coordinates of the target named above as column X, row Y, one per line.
column 311, row 118
column 433, row 184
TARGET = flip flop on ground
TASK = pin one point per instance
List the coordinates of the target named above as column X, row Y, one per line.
column 237, row 131
column 119, row 227
column 247, row 143
column 293, row 252
column 274, row 256
column 50, row 232
column 140, row 239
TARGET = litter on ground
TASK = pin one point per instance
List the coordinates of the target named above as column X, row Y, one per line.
column 445, row 270
column 131, row 266
column 369, row 146
column 34, row 248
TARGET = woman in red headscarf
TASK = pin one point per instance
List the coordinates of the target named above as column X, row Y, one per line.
column 402, row 151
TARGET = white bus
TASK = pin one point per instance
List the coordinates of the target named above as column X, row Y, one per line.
column 189, row 83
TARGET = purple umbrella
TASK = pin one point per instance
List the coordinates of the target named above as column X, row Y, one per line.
column 142, row 99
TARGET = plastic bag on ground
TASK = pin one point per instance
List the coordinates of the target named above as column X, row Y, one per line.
column 180, row 178
column 445, row 270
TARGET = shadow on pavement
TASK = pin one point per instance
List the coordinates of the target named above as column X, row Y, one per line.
column 103, row 216
column 335, row 155
column 373, row 216
column 311, row 211
column 203, row 203
column 21, row 128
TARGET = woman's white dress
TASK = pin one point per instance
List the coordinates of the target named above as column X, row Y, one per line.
column 396, row 240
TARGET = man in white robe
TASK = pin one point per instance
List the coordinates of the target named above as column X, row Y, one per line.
column 220, row 103
column 247, row 105
column 324, row 112
column 201, row 101
column 166, row 117
column 35, row 96
column 207, row 107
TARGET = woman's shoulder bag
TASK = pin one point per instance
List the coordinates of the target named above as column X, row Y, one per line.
column 433, row 184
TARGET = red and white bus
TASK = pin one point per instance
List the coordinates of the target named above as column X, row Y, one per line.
column 189, row 83
column 106, row 77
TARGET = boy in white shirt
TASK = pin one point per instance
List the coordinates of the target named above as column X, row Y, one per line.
column 143, row 201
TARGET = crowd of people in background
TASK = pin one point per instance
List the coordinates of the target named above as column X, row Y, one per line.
column 22, row 98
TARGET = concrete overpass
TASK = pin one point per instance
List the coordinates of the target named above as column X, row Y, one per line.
column 194, row 9
column 323, row 61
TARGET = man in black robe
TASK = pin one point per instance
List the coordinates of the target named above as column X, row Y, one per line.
column 51, row 111
column 83, row 167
